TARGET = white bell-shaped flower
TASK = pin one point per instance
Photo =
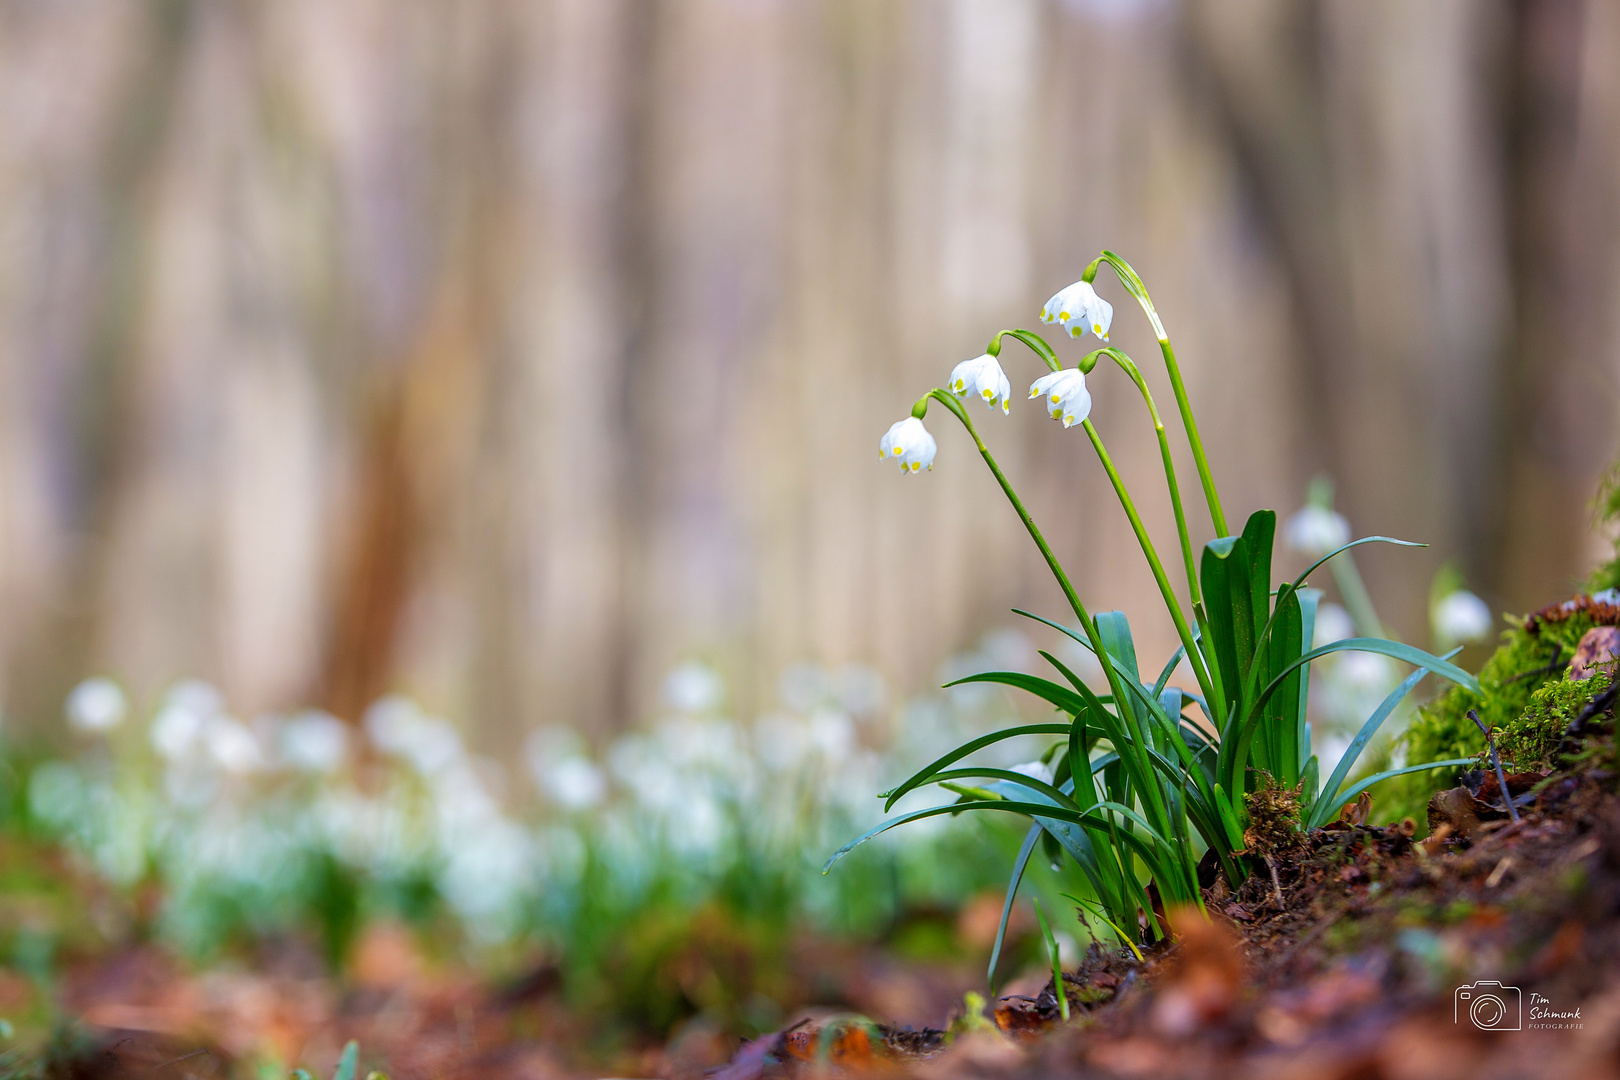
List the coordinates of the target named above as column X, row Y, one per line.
column 1461, row 617
column 909, row 443
column 983, row 378
column 1064, row 395
column 1079, row 308
column 1316, row 530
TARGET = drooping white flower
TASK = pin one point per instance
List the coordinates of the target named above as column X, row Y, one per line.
column 1064, row 395
column 1461, row 617
column 1079, row 308
column 983, row 378
column 1317, row 530
column 909, row 443
column 96, row 706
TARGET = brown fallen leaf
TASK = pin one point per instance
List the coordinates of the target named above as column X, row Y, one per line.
column 1457, row 811
column 1203, row 978
column 1355, row 812
column 1019, row 1018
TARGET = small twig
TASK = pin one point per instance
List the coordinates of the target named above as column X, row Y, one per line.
column 1496, row 763
column 1276, row 885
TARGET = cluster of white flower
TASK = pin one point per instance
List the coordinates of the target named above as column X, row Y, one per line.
column 1078, row 309
column 223, row 808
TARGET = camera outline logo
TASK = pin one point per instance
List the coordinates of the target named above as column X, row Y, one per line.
column 1489, row 1006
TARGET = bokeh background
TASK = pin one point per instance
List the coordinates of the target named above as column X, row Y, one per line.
column 508, row 354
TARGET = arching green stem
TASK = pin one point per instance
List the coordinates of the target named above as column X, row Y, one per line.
column 1036, row 343
column 1151, row 794
column 1130, row 368
column 1133, row 284
column 1194, row 655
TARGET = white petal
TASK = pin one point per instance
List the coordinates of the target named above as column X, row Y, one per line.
column 1462, row 616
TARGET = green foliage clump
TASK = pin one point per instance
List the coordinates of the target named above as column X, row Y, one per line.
column 1522, row 665
column 1531, row 740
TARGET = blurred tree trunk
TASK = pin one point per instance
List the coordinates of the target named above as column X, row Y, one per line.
column 1557, row 402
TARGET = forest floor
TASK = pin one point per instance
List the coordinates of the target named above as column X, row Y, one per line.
column 1365, row 954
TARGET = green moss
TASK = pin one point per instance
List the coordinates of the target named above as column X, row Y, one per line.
column 1509, row 680
column 1531, row 740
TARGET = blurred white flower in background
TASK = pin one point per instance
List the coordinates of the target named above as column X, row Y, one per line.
column 832, row 735
column 313, row 741
column 780, row 741
column 188, row 708
column 1316, row 530
column 859, row 689
column 694, row 687
column 1333, row 623
column 232, row 813
column 96, row 706
column 232, row 746
column 803, row 685
column 1348, row 686
column 396, row 725
column 1461, row 618
column 562, row 770
column 575, row 783
column 1037, row 769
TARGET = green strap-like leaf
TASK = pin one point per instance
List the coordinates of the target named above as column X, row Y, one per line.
column 1398, row 650
column 1045, row 689
column 1016, row 778
column 1022, row 861
column 1096, row 818
column 348, row 1062
column 1353, row 751
column 922, row 776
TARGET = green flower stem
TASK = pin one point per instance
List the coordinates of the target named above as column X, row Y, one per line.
column 1133, row 284
column 1036, row 343
column 1045, row 351
column 1194, row 656
column 1151, row 793
column 1130, row 368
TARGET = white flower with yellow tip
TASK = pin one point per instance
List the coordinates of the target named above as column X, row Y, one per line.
column 983, row 378
column 909, row 443
column 1064, row 395
column 1079, row 309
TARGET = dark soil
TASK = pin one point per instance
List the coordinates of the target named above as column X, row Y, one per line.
column 1350, row 962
